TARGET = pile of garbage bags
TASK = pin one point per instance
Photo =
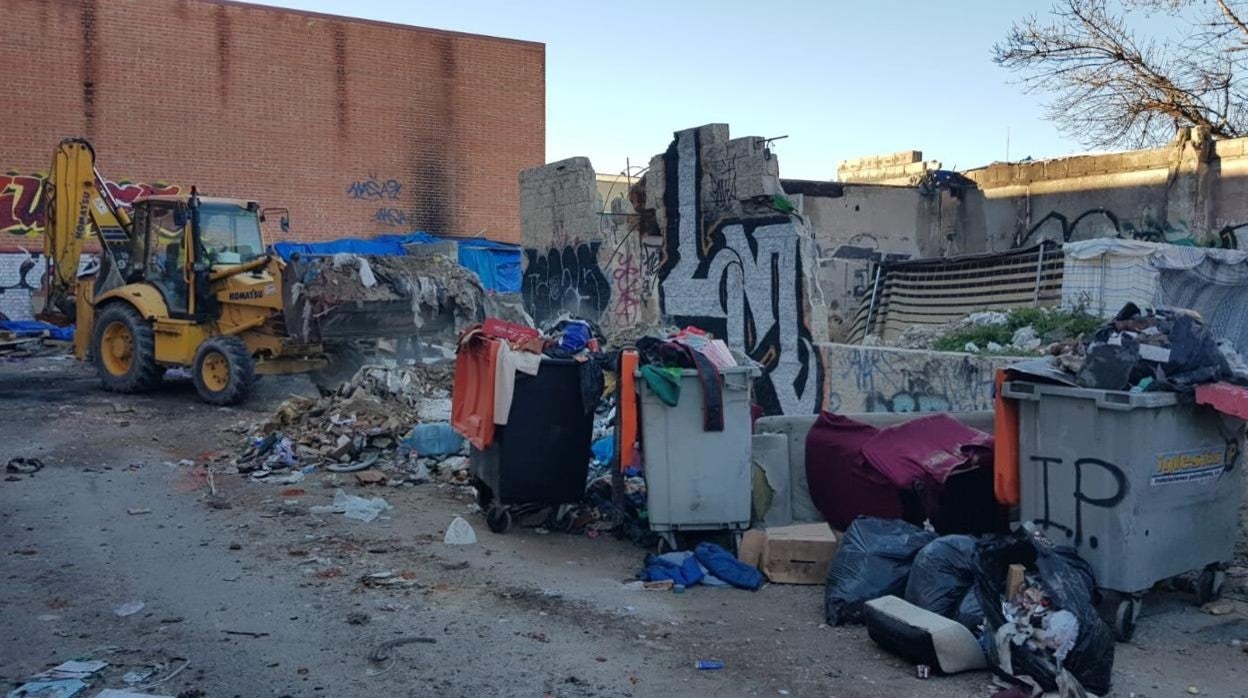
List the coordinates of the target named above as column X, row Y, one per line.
column 1169, row 349
column 1045, row 631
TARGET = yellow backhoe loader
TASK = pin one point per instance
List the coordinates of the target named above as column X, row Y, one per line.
column 182, row 281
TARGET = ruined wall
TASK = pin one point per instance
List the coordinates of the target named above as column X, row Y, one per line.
column 856, row 226
column 735, row 262
column 579, row 258
column 885, row 379
column 358, row 127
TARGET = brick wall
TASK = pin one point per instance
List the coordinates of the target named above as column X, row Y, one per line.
column 358, row 127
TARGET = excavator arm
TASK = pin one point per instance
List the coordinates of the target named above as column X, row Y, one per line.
column 78, row 205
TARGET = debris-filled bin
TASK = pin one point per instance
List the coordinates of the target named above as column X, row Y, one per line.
column 541, row 455
column 1141, row 484
column 697, row 479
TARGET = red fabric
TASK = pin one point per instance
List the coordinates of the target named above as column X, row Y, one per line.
column 1224, row 397
column 842, row 485
column 1005, row 454
column 472, row 399
column 508, row 330
column 925, row 450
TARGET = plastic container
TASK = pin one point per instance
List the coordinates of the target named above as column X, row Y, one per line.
column 542, row 454
column 1143, row 486
column 435, row 439
column 695, row 479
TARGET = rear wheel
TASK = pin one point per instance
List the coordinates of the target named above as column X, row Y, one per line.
column 223, row 371
column 124, row 350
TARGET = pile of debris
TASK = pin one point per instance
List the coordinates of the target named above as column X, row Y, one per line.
column 359, row 427
column 432, row 285
column 1165, row 349
column 29, row 338
column 1017, row 332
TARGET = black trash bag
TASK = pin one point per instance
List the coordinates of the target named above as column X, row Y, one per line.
column 873, row 561
column 970, row 613
column 942, row 574
column 1068, row 581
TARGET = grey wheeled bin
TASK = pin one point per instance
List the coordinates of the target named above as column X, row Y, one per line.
column 1143, row 485
column 697, row 480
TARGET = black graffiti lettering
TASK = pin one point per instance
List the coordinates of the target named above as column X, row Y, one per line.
column 1121, row 488
column 567, row 280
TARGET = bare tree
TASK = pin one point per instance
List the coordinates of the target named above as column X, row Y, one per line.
column 1113, row 85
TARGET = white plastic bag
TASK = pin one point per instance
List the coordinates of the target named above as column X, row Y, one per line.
column 460, row 533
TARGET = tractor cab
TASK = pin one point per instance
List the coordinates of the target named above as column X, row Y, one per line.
column 176, row 242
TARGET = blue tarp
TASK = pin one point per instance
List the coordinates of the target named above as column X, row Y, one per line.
column 34, row 328
column 380, row 245
column 496, row 263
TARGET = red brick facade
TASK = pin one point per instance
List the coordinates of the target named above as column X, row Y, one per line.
column 357, row 127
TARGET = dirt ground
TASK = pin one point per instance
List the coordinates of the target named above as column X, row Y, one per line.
column 265, row 599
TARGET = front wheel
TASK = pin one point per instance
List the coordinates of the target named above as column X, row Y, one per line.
column 124, row 350
column 224, row 371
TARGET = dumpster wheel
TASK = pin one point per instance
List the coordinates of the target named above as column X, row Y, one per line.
column 1126, row 613
column 498, row 518
column 1209, row 584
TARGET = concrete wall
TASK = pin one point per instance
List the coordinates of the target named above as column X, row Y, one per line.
column 579, row 258
column 358, row 127
column 885, row 379
column 858, row 225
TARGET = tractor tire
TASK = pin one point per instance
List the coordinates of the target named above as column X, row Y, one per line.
column 224, row 371
column 124, row 350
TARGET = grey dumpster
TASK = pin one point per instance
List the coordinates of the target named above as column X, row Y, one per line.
column 695, row 479
column 1143, row 485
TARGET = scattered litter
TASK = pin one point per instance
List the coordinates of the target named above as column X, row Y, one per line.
column 460, row 533
column 922, row 671
column 129, row 608
column 120, row 408
column 353, row 507
column 1220, row 607
column 245, row 633
column 24, row 466
column 709, row 665
column 389, row 579
column 120, row 693
column 138, row 676
column 136, row 512
column 62, row 688
column 72, row 670
column 357, row 618
column 370, row 477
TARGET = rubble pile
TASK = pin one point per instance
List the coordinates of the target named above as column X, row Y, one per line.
column 1018, row 332
column 357, row 428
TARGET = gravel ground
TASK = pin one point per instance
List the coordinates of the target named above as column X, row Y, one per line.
column 266, row 599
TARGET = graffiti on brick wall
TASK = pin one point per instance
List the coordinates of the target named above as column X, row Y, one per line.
column 872, row 379
column 741, row 279
column 566, row 279
column 385, row 191
column 22, row 200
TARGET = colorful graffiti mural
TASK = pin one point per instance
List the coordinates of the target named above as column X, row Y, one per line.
column 22, row 200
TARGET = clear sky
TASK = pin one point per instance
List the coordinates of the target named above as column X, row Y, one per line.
column 842, row 79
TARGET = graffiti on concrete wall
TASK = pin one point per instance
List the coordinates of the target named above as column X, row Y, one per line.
column 877, row 379
column 565, row 280
column 22, row 199
column 740, row 278
column 1149, row 226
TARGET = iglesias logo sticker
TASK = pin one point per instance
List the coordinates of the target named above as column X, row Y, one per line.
column 1196, row 465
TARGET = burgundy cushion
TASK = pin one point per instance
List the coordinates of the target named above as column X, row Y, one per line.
column 842, row 485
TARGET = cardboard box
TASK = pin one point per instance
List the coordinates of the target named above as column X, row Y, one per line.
column 753, row 544
column 800, row 554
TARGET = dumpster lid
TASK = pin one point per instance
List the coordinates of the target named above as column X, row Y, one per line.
column 1106, row 399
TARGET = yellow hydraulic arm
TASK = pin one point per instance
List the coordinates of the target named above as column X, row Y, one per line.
column 78, row 205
